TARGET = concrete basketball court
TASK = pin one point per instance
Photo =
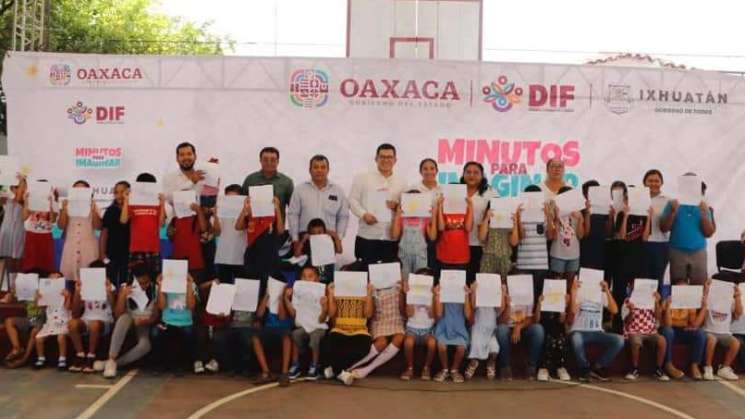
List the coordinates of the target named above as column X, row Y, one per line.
column 49, row 394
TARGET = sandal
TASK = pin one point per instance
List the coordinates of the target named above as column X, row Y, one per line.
column 264, row 378
column 426, row 374
column 13, row 355
column 407, row 374
column 457, row 376
column 471, row 369
column 491, row 371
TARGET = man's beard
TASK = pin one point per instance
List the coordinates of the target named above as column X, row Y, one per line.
column 185, row 167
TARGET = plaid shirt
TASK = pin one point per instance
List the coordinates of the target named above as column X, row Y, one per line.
column 387, row 320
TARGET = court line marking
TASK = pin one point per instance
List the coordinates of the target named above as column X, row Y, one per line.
column 111, row 392
column 217, row 403
column 93, row 385
column 642, row 400
column 214, row 405
column 732, row 387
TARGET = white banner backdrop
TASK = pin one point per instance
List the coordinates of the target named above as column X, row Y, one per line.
column 104, row 118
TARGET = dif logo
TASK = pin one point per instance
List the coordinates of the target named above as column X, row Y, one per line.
column 81, row 113
column 503, row 94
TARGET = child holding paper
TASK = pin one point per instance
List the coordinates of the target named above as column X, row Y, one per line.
column 592, row 246
column 262, row 234
column 349, row 338
column 231, row 245
column 420, row 319
column 564, row 253
column 517, row 326
column 556, row 347
column 96, row 320
column 484, row 345
column 185, row 234
column 310, row 321
column 316, row 226
column 684, row 325
column 453, row 251
column 640, row 326
column 237, row 341
column 114, row 238
column 451, row 330
column 34, row 320
column 206, row 329
column 412, row 234
column 387, row 329
column 136, row 308
column 12, row 232
column 38, row 244
column 532, row 250
column 498, row 244
column 144, row 227
column 176, row 329
column 56, row 325
column 81, row 243
column 718, row 332
column 276, row 327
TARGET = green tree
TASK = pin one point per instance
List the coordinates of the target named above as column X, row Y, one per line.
column 116, row 27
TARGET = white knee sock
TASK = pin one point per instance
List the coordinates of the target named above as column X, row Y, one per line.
column 388, row 353
column 370, row 355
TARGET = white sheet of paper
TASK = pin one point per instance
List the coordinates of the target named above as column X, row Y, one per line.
column 211, row 174
column 144, row 193
column 9, row 169
column 455, row 198
column 589, row 289
column 182, row 201
column 554, row 295
column 50, row 290
column 617, row 199
column 384, row 275
column 350, row 284
column 378, row 206
column 298, row 260
column 721, row 296
column 322, row 250
column 600, row 199
column 93, row 284
column 502, row 210
column 275, row 289
column 689, row 190
column 532, row 215
column 687, row 296
column 26, row 286
column 262, row 200
column 79, row 202
column 570, row 201
column 420, row 289
column 643, row 294
column 532, row 200
column 246, row 294
column 488, row 290
column 138, row 295
column 520, row 288
column 639, row 201
column 416, row 204
column 452, row 284
column 39, row 194
column 307, row 292
column 230, row 206
column 221, row 299
column 174, row 276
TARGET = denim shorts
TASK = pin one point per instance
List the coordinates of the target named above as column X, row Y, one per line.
column 420, row 335
column 561, row 266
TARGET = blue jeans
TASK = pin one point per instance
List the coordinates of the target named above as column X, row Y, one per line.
column 612, row 343
column 696, row 339
column 533, row 337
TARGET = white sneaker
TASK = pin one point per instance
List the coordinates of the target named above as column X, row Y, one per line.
column 727, row 373
column 109, row 370
column 212, row 366
column 99, row 365
column 543, row 374
column 563, row 374
column 198, row 367
column 328, row 372
column 708, row 373
column 346, row 377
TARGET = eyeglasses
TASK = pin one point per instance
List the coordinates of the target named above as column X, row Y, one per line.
column 387, row 157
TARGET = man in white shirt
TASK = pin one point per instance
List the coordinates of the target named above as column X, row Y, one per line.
column 373, row 242
column 186, row 177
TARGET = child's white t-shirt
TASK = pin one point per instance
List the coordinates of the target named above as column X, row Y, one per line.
column 231, row 243
column 97, row 311
column 738, row 326
column 717, row 322
column 420, row 319
column 566, row 244
column 589, row 318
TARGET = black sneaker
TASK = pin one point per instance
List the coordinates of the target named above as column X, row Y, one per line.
column 597, row 373
column 77, row 364
column 584, row 377
column 633, row 375
column 284, row 380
